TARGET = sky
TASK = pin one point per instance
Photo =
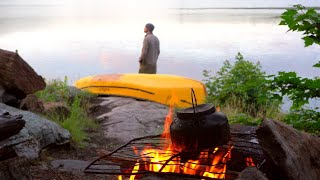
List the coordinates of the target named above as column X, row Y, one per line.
column 167, row 3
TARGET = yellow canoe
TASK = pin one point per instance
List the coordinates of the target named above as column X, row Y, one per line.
column 161, row 88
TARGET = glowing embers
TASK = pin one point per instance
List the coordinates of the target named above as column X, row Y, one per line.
column 210, row 163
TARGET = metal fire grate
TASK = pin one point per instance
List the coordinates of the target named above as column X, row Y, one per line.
column 123, row 160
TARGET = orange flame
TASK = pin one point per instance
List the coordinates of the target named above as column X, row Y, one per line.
column 249, row 161
column 120, row 177
column 135, row 170
column 218, row 108
column 167, row 123
column 211, row 164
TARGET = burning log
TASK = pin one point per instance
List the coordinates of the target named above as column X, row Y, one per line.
column 292, row 154
column 10, row 125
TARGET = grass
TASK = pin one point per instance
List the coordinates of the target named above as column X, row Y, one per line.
column 304, row 119
column 77, row 122
column 56, row 90
column 240, row 113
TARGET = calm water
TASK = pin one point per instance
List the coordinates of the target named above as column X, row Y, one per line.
column 79, row 39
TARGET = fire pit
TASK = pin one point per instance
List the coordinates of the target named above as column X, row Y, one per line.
column 152, row 155
column 157, row 154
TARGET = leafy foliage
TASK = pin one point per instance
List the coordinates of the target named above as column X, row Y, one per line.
column 304, row 119
column 303, row 20
column 240, row 85
column 299, row 90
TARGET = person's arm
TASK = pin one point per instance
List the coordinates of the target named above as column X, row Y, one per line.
column 158, row 48
column 144, row 50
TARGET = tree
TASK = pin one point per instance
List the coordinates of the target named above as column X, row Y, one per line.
column 304, row 20
column 300, row 90
column 239, row 84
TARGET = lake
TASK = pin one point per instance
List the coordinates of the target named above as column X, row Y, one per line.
column 65, row 39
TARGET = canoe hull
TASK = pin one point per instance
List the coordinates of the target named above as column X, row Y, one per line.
column 164, row 89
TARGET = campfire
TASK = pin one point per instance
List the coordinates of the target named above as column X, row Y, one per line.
column 183, row 156
column 209, row 163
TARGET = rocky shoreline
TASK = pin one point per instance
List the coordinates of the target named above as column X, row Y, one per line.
column 44, row 146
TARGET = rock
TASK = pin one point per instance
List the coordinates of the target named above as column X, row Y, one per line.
column 9, row 100
column 32, row 103
column 73, row 92
column 15, row 169
column 292, row 154
column 17, row 77
column 54, row 109
column 10, row 125
column 37, row 134
column 69, row 165
column 251, row 173
column 123, row 119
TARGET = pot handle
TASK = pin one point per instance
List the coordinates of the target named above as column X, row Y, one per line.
column 194, row 101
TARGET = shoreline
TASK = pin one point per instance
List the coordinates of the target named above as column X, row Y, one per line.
column 243, row 8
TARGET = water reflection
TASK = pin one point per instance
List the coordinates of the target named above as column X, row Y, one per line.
column 80, row 44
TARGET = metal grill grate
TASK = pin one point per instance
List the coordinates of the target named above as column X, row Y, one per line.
column 123, row 160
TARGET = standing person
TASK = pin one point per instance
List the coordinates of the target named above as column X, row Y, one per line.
column 150, row 51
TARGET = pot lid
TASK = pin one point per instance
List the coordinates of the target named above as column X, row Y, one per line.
column 196, row 111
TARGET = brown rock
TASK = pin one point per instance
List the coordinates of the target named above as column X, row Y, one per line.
column 32, row 103
column 293, row 154
column 17, row 77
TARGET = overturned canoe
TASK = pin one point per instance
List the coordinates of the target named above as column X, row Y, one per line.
column 161, row 88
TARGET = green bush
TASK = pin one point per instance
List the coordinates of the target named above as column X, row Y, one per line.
column 288, row 84
column 241, row 86
column 304, row 119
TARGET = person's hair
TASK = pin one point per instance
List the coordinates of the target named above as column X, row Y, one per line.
column 150, row 27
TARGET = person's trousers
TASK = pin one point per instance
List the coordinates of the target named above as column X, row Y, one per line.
column 148, row 68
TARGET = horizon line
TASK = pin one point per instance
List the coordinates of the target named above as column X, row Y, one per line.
column 280, row 8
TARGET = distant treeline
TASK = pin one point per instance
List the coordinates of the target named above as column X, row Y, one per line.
column 208, row 8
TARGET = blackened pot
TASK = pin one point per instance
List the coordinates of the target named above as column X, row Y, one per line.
column 195, row 130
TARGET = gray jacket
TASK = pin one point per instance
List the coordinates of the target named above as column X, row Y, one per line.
column 151, row 50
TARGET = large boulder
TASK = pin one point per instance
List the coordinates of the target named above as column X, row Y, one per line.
column 17, row 78
column 37, row 134
column 292, row 154
column 123, row 119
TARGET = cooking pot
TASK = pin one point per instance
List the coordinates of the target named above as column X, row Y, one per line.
column 199, row 127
